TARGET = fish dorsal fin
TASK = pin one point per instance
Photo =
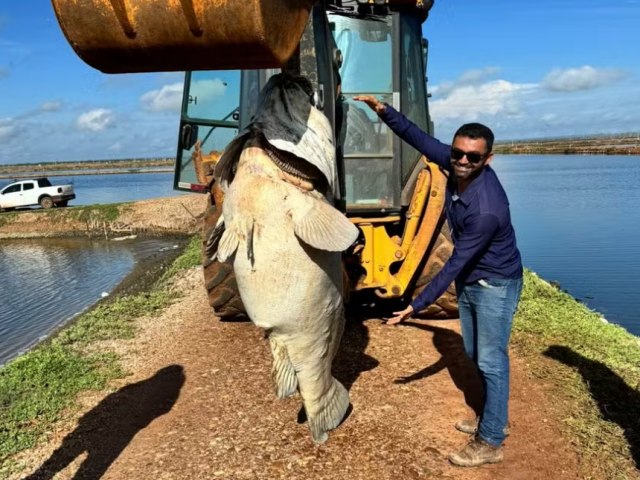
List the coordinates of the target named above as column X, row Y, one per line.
column 228, row 244
column 320, row 225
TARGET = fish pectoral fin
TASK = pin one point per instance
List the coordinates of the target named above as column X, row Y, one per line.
column 228, row 244
column 282, row 371
column 323, row 226
column 213, row 241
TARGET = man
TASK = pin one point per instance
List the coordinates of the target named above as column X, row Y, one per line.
column 485, row 265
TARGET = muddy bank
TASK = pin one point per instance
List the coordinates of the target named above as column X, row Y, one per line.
column 162, row 216
column 150, row 264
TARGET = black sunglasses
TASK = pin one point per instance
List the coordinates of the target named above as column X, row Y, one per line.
column 472, row 157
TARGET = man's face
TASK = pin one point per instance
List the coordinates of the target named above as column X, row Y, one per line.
column 468, row 157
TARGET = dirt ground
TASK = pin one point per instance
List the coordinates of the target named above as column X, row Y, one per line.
column 198, row 404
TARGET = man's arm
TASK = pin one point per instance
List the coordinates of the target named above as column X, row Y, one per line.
column 408, row 131
column 468, row 246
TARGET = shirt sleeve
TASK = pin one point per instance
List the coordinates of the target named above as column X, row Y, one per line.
column 432, row 148
column 471, row 243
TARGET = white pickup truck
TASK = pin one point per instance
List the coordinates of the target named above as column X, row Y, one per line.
column 38, row 191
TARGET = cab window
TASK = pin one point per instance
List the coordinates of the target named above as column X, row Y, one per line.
column 209, row 121
column 413, row 87
column 12, row 189
column 367, row 143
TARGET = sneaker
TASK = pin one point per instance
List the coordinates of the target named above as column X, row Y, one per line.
column 470, row 426
column 476, row 452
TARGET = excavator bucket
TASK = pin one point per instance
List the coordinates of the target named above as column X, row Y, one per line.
column 125, row 36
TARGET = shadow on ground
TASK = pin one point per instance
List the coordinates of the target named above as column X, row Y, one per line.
column 461, row 369
column 617, row 401
column 351, row 359
column 105, row 431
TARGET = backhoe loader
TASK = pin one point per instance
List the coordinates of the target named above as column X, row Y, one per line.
column 230, row 48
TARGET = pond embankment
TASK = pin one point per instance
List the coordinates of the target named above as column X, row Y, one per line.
column 181, row 215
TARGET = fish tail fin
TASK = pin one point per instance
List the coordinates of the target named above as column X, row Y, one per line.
column 332, row 410
column 282, row 372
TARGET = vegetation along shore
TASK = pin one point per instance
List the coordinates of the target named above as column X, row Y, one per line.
column 620, row 144
column 575, row 377
column 87, row 167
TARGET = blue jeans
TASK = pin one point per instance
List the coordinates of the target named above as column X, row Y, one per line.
column 486, row 313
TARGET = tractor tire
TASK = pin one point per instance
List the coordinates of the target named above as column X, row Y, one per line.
column 219, row 279
column 445, row 307
column 46, row 202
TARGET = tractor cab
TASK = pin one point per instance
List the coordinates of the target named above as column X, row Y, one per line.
column 383, row 56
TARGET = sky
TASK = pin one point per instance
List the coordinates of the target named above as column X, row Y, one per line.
column 544, row 68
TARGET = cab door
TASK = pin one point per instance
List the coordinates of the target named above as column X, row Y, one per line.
column 209, row 121
column 29, row 193
column 11, row 196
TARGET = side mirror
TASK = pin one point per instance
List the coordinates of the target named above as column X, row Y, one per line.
column 188, row 136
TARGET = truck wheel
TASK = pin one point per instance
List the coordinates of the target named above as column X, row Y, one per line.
column 46, row 202
column 219, row 279
column 447, row 305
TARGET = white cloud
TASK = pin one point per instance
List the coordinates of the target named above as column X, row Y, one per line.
column 529, row 110
column 52, row 106
column 46, row 107
column 472, row 77
column 6, row 131
column 168, row 98
column 207, row 90
column 96, row 120
column 582, row 78
column 470, row 103
column 115, row 147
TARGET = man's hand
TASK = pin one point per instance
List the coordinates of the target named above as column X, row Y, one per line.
column 374, row 104
column 400, row 316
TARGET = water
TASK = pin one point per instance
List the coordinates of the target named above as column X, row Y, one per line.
column 115, row 188
column 125, row 187
column 46, row 282
column 577, row 222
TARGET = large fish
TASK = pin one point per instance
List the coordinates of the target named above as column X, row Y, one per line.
column 285, row 238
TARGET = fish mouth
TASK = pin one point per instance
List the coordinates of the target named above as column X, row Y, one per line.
column 296, row 166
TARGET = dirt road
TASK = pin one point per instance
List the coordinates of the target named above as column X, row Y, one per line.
column 199, row 405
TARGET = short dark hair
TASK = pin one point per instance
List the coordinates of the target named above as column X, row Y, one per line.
column 476, row 130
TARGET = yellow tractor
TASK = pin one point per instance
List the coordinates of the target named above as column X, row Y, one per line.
column 230, row 48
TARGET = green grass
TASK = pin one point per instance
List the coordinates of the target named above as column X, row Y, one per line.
column 38, row 386
column 109, row 212
column 90, row 213
column 191, row 257
column 7, row 218
column 594, row 368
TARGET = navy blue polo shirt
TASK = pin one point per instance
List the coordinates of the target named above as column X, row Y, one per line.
column 484, row 242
